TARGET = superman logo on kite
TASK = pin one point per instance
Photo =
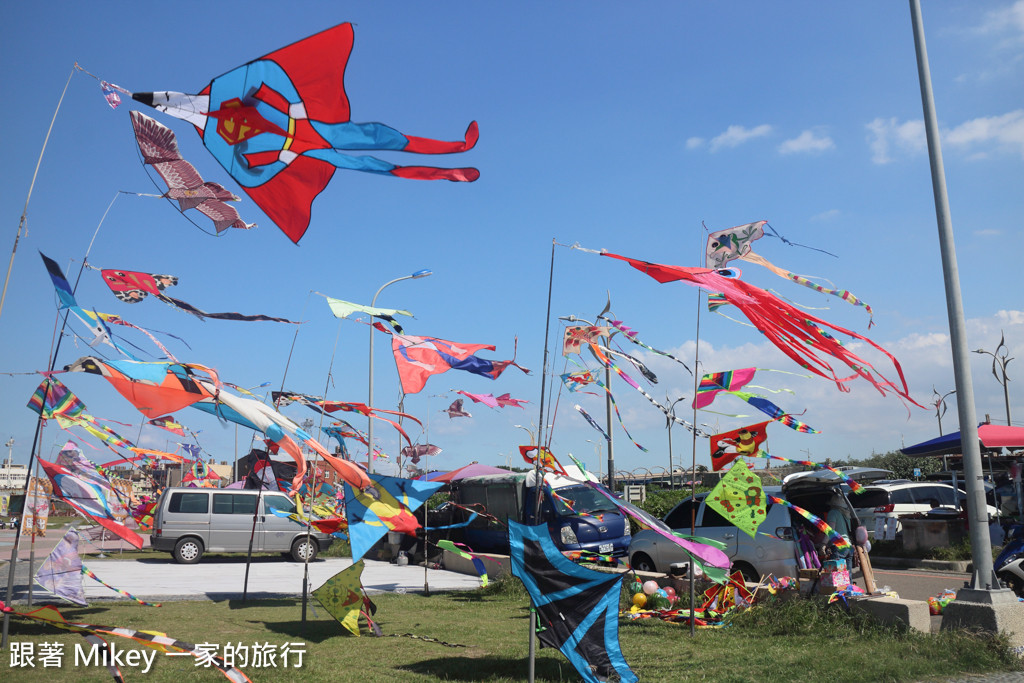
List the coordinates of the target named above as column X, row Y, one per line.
column 283, row 126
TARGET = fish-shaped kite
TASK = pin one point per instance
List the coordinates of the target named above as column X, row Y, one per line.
column 159, row 148
column 281, row 124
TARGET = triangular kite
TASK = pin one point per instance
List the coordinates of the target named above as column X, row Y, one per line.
column 739, row 498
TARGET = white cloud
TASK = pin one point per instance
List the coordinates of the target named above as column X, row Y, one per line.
column 694, row 143
column 888, row 136
column 734, row 136
column 807, row 141
column 825, row 215
column 1002, row 21
column 987, row 232
column 1006, row 131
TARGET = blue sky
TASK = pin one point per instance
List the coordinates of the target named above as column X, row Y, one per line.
column 600, row 124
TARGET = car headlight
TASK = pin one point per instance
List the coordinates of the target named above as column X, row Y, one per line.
column 626, row 531
column 569, row 536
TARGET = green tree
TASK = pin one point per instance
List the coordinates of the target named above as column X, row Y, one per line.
column 902, row 466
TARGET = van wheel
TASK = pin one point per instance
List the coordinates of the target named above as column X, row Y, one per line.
column 301, row 548
column 642, row 563
column 750, row 574
column 188, row 551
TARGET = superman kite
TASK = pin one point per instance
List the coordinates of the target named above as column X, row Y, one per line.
column 280, row 126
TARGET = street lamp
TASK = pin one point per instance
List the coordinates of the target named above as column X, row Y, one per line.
column 1002, row 359
column 597, row 455
column 369, row 402
column 533, row 441
column 940, row 405
column 671, row 420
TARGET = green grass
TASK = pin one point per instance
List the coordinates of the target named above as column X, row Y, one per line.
column 779, row 641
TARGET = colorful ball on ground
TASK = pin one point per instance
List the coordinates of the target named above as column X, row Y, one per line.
column 671, row 592
column 639, row 599
column 651, row 587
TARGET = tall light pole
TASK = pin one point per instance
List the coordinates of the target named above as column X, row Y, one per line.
column 1002, row 360
column 940, row 405
column 671, row 420
column 984, row 586
column 369, row 401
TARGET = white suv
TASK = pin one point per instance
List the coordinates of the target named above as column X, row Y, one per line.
column 903, row 497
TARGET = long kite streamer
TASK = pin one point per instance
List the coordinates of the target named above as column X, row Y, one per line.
column 820, row 524
column 796, row 333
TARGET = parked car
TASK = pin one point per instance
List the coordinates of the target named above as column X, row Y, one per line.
column 189, row 522
column 898, row 498
column 578, row 517
column 774, row 551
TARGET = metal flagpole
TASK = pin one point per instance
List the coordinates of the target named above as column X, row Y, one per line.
column 536, row 466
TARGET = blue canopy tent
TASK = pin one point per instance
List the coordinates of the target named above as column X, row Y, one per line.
column 992, row 438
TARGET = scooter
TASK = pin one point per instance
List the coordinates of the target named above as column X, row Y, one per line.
column 1009, row 565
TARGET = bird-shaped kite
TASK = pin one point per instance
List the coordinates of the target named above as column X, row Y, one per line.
column 159, row 148
column 455, row 409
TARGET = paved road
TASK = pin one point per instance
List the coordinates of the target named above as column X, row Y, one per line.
column 160, row 578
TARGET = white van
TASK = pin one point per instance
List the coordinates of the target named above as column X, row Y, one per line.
column 189, row 522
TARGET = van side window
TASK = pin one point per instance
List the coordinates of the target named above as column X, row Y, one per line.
column 233, row 504
column 282, row 503
column 192, row 503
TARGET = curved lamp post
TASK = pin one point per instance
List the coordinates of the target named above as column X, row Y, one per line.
column 671, row 421
column 369, row 401
column 1002, row 360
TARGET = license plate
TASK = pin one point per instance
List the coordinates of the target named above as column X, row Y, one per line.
column 604, row 548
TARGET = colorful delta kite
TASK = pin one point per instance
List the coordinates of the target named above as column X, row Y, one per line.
column 343, row 309
column 89, row 496
column 281, row 124
column 736, row 243
column 729, row 382
column 420, row 450
column 739, row 498
column 455, row 409
column 418, row 358
column 386, row 506
column 745, row 441
column 155, row 389
column 577, row 608
column 342, row 596
column 796, row 333
column 159, row 149
column 131, row 287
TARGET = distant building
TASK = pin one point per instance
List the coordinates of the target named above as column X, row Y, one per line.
column 13, row 476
